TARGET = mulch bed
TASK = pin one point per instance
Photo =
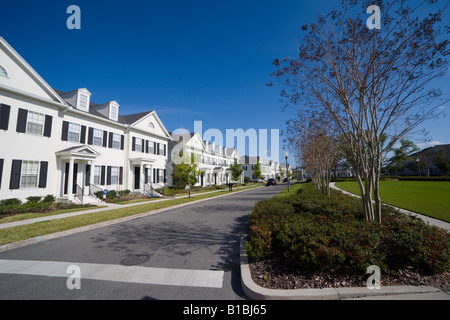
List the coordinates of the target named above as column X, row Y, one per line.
column 277, row 273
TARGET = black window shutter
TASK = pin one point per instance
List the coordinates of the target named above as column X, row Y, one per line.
column 157, row 175
column 16, row 169
column 43, row 175
column 22, row 120
column 105, row 138
column 110, row 144
column 154, row 147
column 48, row 126
column 65, row 131
column 133, row 144
column 4, row 116
column 154, row 175
column 146, row 146
column 122, row 142
column 158, row 150
column 1, row 171
column 108, row 176
column 83, row 135
column 142, row 145
column 165, row 176
column 165, row 150
column 87, row 181
column 121, row 175
column 91, row 136
column 102, row 176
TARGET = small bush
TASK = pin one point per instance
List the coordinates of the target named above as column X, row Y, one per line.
column 111, row 194
column 49, row 198
column 124, row 193
column 11, row 202
column 99, row 194
column 34, row 199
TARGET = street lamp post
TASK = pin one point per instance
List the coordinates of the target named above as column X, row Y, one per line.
column 287, row 172
column 418, row 166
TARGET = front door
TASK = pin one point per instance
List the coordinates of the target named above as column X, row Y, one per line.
column 137, row 178
column 66, row 178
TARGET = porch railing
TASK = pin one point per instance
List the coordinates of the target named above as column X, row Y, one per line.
column 79, row 193
column 93, row 189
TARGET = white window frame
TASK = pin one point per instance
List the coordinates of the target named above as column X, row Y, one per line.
column 114, row 176
column 113, row 112
column 138, row 145
column 97, row 137
column 29, row 175
column 74, row 131
column 83, row 104
column 151, row 147
column 116, row 141
column 34, row 120
column 161, row 149
column 161, row 175
column 3, row 72
column 97, row 170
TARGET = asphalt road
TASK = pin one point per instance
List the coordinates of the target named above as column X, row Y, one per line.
column 187, row 253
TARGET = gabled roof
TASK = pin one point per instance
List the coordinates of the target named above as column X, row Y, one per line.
column 31, row 72
column 133, row 118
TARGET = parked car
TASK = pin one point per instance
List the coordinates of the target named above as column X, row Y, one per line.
column 271, row 182
column 285, row 180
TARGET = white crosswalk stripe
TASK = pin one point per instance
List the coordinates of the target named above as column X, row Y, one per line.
column 117, row 273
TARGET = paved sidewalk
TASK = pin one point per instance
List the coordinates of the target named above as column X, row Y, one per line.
column 109, row 206
column 431, row 221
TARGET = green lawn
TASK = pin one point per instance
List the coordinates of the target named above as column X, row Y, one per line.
column 431, row 198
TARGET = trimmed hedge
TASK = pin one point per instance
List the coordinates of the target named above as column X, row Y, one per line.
column 316, row 232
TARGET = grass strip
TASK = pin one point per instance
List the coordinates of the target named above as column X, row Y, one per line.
column 19, row 233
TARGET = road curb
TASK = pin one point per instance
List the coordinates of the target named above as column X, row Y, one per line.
column 255, row 292
column 47, row 237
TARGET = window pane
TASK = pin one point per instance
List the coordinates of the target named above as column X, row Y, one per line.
column 74, row 132
column 98, row 137
column 35, row 122
column 97, row 175
column 114, row 175
column 116, row 141
column 29, row 175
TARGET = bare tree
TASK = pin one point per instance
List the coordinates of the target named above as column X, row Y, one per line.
column 375, row 84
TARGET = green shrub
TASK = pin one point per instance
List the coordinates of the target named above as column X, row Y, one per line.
column 316, row 232
column 111, row 194
column 11, row 202
column 49, row 198
column 99, row 194
column 124, row 193
column 34, row 199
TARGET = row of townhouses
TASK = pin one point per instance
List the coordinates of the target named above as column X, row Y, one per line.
column 62, row 143
column 270, row 169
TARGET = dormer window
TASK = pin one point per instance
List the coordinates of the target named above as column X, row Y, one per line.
column 3, row 72
column 113, row 113
column 83, row 102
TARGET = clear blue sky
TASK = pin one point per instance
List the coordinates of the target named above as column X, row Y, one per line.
column 190, row 60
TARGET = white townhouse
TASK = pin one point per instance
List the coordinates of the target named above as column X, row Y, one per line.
column 61, row 143
column 269, row 169
column 213, row 161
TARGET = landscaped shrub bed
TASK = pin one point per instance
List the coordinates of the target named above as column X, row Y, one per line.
column 315, row 232
column 34, row 204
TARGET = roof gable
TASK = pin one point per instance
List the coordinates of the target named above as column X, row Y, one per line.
column 21, row 75
column 147, row 121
